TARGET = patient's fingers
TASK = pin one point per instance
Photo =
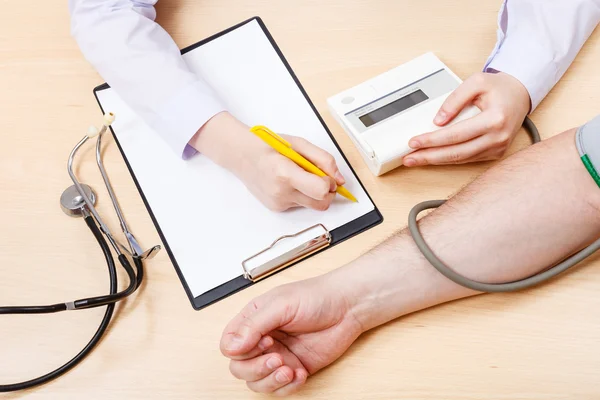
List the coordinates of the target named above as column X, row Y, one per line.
column 256, row 368
column 263, row 345
column 300, row 376
column 277, row 379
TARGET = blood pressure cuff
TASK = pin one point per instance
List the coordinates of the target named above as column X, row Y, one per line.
column 587, row 140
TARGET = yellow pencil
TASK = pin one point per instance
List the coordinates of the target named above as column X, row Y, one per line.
column 284, row 148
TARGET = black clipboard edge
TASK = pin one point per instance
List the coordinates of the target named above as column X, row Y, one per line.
column 339, row 235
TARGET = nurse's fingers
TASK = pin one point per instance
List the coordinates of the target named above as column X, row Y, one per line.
column 458, row 133
column 321, row 158
column 308, row 202
column 463, row 95
column 454, row 154
column 311, row 185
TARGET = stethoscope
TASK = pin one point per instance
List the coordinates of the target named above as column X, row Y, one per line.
column 79, row 200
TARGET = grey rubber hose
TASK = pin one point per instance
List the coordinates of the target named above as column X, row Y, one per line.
column 492, row 287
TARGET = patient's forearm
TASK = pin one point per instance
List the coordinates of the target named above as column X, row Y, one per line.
column 523, row 215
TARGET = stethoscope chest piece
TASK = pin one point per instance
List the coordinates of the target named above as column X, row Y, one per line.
column 72, row 203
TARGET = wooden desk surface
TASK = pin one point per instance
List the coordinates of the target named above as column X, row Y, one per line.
column 538, row 344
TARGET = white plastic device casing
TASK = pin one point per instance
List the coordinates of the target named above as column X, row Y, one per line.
column 384, row 144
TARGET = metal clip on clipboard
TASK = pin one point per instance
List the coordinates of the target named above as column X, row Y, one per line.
column 261, row 265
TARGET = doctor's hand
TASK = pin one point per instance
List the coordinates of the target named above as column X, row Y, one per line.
column 273, row 179
column 289, row 333
column 504, row 103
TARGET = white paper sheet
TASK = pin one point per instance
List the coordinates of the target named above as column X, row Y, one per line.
column 209, row 219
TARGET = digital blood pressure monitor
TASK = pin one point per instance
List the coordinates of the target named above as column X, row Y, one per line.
column 382, row 114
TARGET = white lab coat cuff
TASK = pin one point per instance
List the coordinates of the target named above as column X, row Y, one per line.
column 184, row 114
column 538, row 76
column 519, row 53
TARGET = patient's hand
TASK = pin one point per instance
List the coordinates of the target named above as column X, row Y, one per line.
column 504, row 102
column 289, row 333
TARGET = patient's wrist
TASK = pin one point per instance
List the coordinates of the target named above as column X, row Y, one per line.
column 372, row 291
column 386, row 284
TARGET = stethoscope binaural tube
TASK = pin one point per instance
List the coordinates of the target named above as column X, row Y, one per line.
column 92, row 132
column 134, row 248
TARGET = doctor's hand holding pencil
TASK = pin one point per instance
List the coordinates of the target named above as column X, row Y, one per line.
column 278, row 181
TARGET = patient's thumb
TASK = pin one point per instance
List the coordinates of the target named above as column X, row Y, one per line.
column 246, row 335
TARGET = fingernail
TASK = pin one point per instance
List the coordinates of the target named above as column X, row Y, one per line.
column 273, row 363
column 332, row 185
column 440, row 117
column 409, row 162
column 244, row 332
column 414, row 144
column 235, row 343
column 265, row 343
column 339, row 178
column 301, row 375
column 281, row 377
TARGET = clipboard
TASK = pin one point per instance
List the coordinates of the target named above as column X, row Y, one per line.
column 283, row 250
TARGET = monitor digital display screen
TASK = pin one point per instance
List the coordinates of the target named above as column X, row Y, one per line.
column 393, row 108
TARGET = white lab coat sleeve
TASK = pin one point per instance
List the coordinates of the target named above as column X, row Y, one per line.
column 142, row 63
column 539, row 39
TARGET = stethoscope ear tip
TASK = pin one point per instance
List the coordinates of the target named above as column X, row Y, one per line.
column 92, row 131
column 109, row 118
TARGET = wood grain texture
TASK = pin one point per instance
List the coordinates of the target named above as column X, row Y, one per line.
column 538, row 344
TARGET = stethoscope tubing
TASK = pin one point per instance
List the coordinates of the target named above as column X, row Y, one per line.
column 135, row 280
column 459, row 279
column 97, row 335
